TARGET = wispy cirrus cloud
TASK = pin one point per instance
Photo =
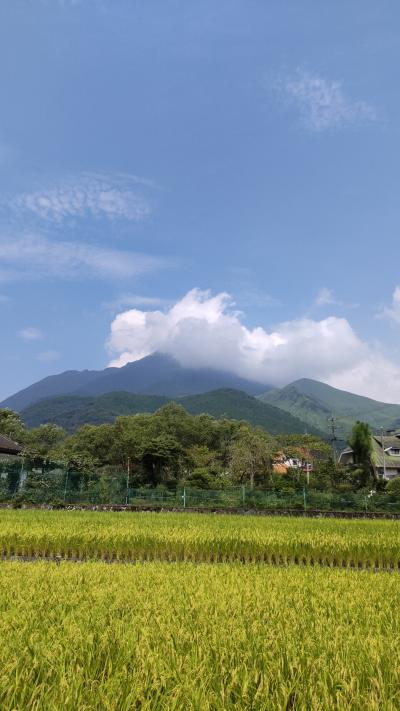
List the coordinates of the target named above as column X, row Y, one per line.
column 90, row 195
column 48, row 356
column 325, row 297
column 322, row 103
column 134, row 300
column 30, row 333
column 392, row 312
column 68, row 3
column 34, row 257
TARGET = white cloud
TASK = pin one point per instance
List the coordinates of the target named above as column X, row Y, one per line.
column 69, row 3
column 88, row 195
column 134, row 300
column 48, row 356
column 322, row 103
column 393, row 312
column 325, row 297
column 4, row 299
column 203, row 330
column 35, row 257
column 30, row 334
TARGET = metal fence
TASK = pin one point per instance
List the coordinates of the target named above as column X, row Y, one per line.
column 244, row 497
column 58, row 485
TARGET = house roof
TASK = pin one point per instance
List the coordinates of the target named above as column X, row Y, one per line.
column 7, row 446
column 392, row 440
column 378, row 457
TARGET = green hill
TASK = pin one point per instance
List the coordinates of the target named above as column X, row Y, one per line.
column 314, row 403
column 238, row 405
column 72, row 411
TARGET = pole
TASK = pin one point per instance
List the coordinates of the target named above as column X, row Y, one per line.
column 384, row 455
column 332, row 420
column 66, row 483
column 184, row 498
column 304, row 499
column 128, row 471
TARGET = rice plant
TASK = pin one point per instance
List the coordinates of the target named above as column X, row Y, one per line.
column 199, row 538
column 190, row 637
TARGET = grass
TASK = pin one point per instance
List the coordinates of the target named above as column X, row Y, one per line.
column 199, row 538
column 198, row 638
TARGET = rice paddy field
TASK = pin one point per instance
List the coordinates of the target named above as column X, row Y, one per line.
column 201, row 538
column 253, row 613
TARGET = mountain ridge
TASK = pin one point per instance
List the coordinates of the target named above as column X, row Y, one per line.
column 315, row 403
column 72, row 411
column 156, row 374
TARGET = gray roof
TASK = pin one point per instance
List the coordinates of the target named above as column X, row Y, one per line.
column 377, row 457
column 392, row 440
column 7, row 446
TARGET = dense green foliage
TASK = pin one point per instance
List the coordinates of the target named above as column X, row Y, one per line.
column 73, row 411
column 189, row 637
column 314, row 403
column 169, row 447
column 360, row 442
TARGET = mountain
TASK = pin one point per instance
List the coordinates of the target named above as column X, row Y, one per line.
column 315, row 402
column 157, row 374
column 69, row 381
column 71, row 411
column 238, row 405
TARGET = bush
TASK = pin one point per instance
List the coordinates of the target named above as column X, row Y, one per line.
column 393, row 486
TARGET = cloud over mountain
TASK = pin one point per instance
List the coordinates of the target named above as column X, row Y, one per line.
column 205, row 330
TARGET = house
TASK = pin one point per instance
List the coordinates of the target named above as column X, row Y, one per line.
column 385, row 455
column 8, row 447
column 282, row 463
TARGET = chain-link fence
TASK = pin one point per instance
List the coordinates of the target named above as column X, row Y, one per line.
column 54, row 483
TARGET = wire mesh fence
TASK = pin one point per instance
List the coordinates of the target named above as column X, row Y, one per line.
column 54, row 483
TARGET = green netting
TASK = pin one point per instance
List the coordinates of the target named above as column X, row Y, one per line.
column 53, row 483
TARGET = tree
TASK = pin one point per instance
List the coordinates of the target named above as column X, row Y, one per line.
column 11, row 425
column 161, row 458
column 393, row 487
column 251, row 456
column 89, row 447
column 42, row 440
column 360, row 443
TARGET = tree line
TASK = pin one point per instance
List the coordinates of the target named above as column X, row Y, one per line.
column 172, row 447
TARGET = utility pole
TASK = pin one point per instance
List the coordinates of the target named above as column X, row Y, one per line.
column 383, row 453
column 128, row 471
column 332, row 421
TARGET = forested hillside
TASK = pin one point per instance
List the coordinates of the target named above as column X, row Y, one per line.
column 72, row 411
column 315, row 403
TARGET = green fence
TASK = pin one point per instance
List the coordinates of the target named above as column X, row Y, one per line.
column 56, row 484
column 244, row 497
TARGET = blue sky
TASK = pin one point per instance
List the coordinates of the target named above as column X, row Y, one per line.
column 158, row 156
